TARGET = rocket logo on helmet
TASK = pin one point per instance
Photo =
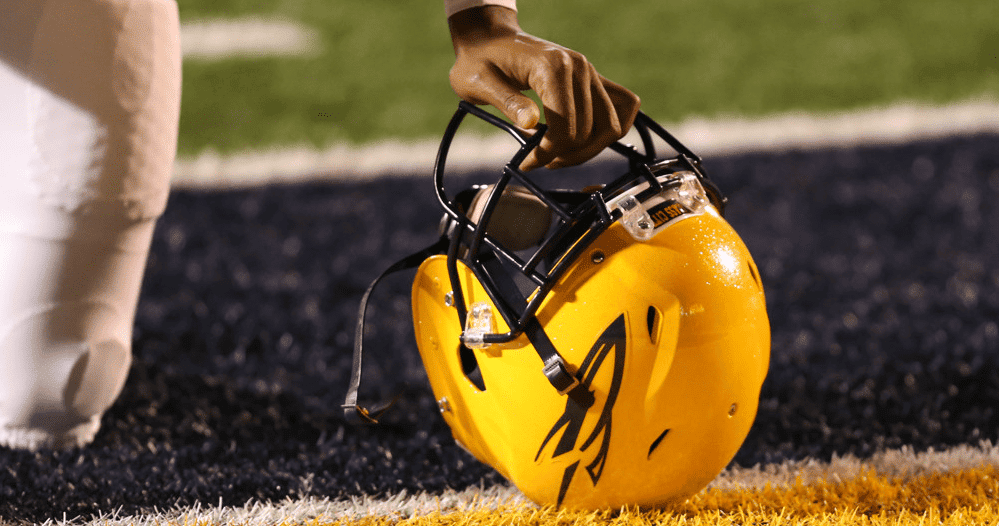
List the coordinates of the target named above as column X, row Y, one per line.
column 544, row 316
column 613, row 340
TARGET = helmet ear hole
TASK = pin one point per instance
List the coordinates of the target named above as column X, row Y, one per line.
column 470, row 366
column 652, row 320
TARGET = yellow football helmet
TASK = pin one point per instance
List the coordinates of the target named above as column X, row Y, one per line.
column 599, row 347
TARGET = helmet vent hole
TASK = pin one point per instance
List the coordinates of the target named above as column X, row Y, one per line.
column 470, row 366
column 652, row 319
column 753, row 272
column 656, row 442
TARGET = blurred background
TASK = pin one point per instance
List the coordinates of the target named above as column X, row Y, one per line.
column 317, row 73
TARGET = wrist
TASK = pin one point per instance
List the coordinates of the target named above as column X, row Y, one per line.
column 479, row 24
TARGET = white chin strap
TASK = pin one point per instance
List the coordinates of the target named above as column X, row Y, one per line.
column 89, row 104
column 519, row 221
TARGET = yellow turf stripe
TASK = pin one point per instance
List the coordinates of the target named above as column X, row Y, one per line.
column 956, row 498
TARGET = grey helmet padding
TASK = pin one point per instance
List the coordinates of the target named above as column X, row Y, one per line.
column 519, row 221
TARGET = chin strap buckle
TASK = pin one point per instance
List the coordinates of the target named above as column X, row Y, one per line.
column 559, row 376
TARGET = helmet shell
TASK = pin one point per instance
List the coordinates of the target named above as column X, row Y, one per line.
column 671, row 338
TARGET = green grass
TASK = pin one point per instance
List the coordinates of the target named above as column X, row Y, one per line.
column 383, row 69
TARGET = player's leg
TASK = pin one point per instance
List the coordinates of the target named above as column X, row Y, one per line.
column 89, row 102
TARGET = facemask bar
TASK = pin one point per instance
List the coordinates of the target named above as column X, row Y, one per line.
column 585, row 214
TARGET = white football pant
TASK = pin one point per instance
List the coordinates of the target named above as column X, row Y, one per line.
column 89, row 104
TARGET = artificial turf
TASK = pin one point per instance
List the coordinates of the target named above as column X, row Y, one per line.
column 880, row 265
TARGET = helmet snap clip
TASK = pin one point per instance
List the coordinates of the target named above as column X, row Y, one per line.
column 636, row 219
column 479, row 322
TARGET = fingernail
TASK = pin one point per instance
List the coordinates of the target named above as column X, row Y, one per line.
column 522, row 117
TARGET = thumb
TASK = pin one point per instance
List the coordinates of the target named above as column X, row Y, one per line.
column 491, row 89
column 520, row 109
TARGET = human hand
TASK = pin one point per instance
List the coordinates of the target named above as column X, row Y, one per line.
column 495, row 61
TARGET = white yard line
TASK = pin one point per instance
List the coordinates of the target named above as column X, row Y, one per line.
column 246, row 37
column 902, row 463
column 894, row 124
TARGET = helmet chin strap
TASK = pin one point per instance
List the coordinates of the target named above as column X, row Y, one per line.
column 354, row 413
column 555, row 368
